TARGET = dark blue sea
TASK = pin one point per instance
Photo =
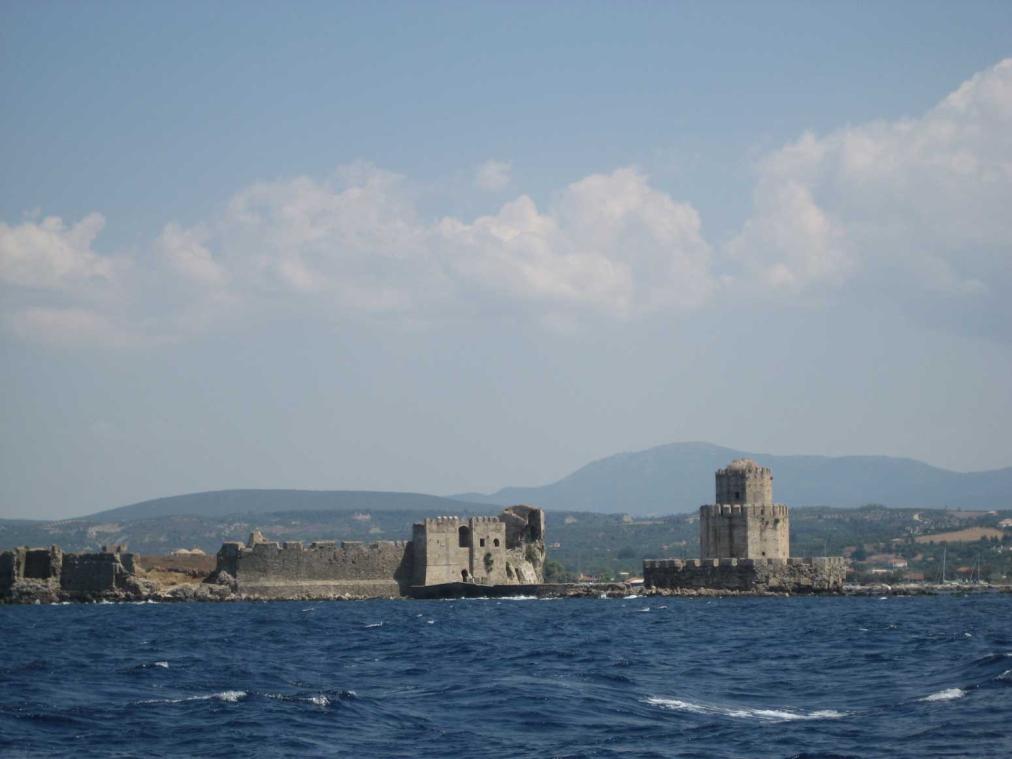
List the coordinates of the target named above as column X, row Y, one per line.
column 650, row 677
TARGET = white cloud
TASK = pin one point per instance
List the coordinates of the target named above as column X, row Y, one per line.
column 51, row 255
column 186, row 252
column 492, row 175
column 76, row 328
column 916, row 210
column 915, row 206
column 612, row 244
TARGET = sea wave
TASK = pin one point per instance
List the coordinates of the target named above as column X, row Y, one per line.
column 741, row 712
column 228, row 696
column 945, row 695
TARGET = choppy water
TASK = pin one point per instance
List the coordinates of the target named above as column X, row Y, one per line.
column 811, row 677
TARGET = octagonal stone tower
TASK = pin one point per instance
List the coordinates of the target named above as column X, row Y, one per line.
column 744, row 523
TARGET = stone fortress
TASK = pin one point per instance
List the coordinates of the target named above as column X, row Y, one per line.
column 508, row 549
column 744, row 543
column 50, row 574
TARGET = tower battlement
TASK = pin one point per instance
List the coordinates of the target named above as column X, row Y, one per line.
column 744, row 523
column 744, row 481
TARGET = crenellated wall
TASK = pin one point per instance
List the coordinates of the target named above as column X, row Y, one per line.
column 503, row 550
column 744, row 531
column 744, row 481
column 819, row 573
column 322, row 569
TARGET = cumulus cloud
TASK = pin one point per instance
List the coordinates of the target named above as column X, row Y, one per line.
column 916, row 209
column 187, row 254
column 52, row 255
column 921, row 204
column 492, row 175
column 611, row 244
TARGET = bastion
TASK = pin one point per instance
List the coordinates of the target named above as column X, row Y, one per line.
column 508, row 549
column 744, row 543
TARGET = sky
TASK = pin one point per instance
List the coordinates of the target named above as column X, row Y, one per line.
column 444, row 247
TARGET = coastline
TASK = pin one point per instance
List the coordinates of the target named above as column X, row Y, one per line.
column 221, row 593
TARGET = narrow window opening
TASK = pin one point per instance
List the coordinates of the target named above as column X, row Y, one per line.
column 463, row 537
column 495, row 542
column 482, row 542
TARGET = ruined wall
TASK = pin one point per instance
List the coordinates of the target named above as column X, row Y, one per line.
column 824, row 573
column 525, row 544
column 26, row 571
column 96, row 573
column 321, row 570
column 8, row 571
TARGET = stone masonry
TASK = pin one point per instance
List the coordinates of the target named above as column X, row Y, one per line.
column 744, row 542
column 52, row 574
column 504, row 550
column 744, row 523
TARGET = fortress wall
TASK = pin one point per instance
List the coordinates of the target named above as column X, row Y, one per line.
column 42, row 563
column 50, row 570
column 744, row 531
column 322, row 569
column 488, row 551
column 9, row 573
column 792, row 575
column 723, row 531
column 768, row 532
column 440, row 557
column 95, row 572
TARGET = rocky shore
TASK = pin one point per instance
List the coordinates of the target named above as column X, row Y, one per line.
column 223, row 589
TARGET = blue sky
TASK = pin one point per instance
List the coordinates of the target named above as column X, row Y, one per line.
column 452, row 246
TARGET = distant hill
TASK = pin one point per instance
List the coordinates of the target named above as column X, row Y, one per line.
column 679, row 477
column 221, row 503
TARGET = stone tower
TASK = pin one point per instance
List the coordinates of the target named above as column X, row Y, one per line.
column 744, row 523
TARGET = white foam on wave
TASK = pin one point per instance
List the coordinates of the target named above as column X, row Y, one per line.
column 518, row 598
column 945, row 695
column 645, row 608
column 319, row 700
column 231, row 696
column 1006, row 675
column 430, row 621
column 228, row 696
column 766, row 715
column 162, row 664
column 374, row 624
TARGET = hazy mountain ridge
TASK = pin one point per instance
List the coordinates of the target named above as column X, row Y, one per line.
column 678, row 477
column 219, row 503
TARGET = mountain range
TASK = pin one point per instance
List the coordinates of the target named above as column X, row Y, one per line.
column 678, row 477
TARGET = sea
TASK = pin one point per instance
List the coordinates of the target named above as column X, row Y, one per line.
column 635, row 677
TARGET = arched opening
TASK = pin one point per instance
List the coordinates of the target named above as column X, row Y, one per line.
column 463, row 537
column 463, row 575
column 495, row 542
